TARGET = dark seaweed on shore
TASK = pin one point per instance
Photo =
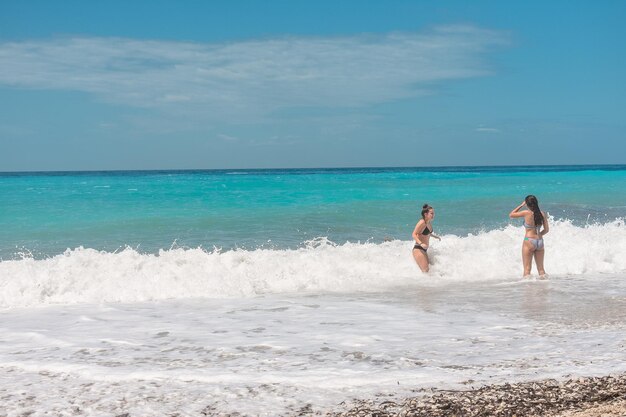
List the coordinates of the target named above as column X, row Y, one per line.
column 544, row 398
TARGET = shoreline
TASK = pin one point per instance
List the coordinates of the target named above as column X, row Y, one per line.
column 577, row 397
column 603, row 396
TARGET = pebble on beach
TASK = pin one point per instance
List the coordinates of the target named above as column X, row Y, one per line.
column 544, row 398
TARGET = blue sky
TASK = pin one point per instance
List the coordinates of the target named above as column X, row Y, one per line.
column 88, row 85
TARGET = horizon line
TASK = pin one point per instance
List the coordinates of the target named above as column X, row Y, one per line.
column 305, row 168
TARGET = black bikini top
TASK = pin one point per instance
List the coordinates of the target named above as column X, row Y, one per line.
column 426, row 231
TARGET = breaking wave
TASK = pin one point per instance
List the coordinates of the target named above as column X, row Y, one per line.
column 84, row 275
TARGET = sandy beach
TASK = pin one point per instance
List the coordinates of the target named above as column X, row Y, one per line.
column 615, row 408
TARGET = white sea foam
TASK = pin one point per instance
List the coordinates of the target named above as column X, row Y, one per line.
column 273, row 355
column 86, row 275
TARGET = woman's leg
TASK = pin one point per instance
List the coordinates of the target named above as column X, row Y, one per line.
column 539, row 254
column 527, row 256
column 421, row 258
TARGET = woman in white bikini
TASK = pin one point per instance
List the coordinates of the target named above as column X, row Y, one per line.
column 534, row 220
column 421, row 235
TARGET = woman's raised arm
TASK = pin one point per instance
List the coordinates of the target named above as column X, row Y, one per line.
column 516, row 213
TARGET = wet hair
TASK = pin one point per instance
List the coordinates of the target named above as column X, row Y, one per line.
column 425, row 209
column 533, row 205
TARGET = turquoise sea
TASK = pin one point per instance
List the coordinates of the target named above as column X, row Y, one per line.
column 46, row 213
column 293, row 292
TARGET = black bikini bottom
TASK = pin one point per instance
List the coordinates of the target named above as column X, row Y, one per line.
column 416, row 246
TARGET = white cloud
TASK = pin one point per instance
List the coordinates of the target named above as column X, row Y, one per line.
column 248, row 78
column 227, row 138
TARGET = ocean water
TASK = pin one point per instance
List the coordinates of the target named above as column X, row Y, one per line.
column 269, row 291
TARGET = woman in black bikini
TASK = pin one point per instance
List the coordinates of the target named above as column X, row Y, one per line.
column 421, row 234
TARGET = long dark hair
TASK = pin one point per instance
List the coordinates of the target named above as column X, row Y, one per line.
column 425, row 209
column 533, row 205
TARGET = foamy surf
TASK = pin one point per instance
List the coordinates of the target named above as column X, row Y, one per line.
column 84, row 275
column 274, row 355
